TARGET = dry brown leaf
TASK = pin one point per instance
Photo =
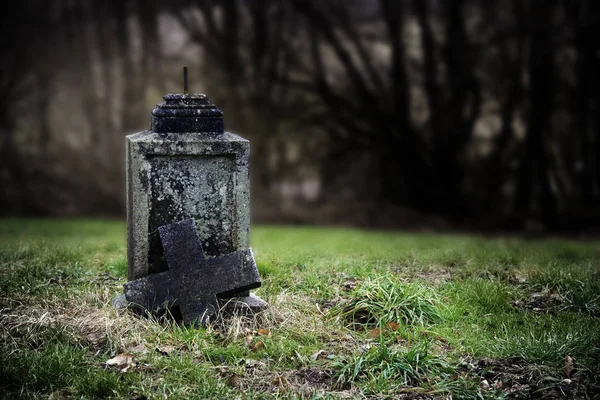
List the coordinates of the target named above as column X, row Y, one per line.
column 165, row 349
column 393, row 326
column 257, row 345
column 568, row 366
column 123, row 361
column 375, row 333
column 264, row 332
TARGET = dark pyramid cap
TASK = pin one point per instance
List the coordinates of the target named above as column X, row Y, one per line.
column 187, row 113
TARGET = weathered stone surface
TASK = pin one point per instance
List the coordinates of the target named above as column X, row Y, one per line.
column 192, row 281
column 181, row 245
column 176, row 176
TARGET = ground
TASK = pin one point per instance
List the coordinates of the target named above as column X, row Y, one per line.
column 353, row 314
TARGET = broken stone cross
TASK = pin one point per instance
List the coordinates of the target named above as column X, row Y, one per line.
column 192, row 281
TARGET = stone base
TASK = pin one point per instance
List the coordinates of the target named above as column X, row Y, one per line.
column 243, row 305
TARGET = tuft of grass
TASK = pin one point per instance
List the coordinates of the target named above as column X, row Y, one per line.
column 118, row 267
column 576, row 288
column 404, row 366
column 548, row 340
column 383, row 300
column 54, row 367
column 387, row 367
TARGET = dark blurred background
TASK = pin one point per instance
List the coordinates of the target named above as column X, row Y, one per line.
column 437, row 114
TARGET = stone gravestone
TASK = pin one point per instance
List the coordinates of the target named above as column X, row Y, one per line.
column 192, row 281
column 187, row 167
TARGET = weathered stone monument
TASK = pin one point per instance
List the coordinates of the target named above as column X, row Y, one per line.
column 187, row 167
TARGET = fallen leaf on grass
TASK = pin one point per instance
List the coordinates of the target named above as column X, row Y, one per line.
column 264, row 332
column 122, row 361
column 375, row 333
column 393, row 326
column 257, row 345
column 568, row 366
column 165, row 349
column 441, row 339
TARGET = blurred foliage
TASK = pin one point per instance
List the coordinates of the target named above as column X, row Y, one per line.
column 378, row 112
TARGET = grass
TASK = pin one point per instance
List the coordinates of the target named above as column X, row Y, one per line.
column 353, row 314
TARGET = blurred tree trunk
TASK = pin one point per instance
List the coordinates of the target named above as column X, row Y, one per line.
column 133, row 109
column 534, row 191
column 43, row 98
column 404, row 171
column 453, row 107
column 85, row 26
column 462, row 111
column 585, row 19
column 17, row 66
column 497, row 165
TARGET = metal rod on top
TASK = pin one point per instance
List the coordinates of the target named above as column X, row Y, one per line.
column 185, row 81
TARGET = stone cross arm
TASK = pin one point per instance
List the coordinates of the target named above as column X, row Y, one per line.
column 197, row 288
